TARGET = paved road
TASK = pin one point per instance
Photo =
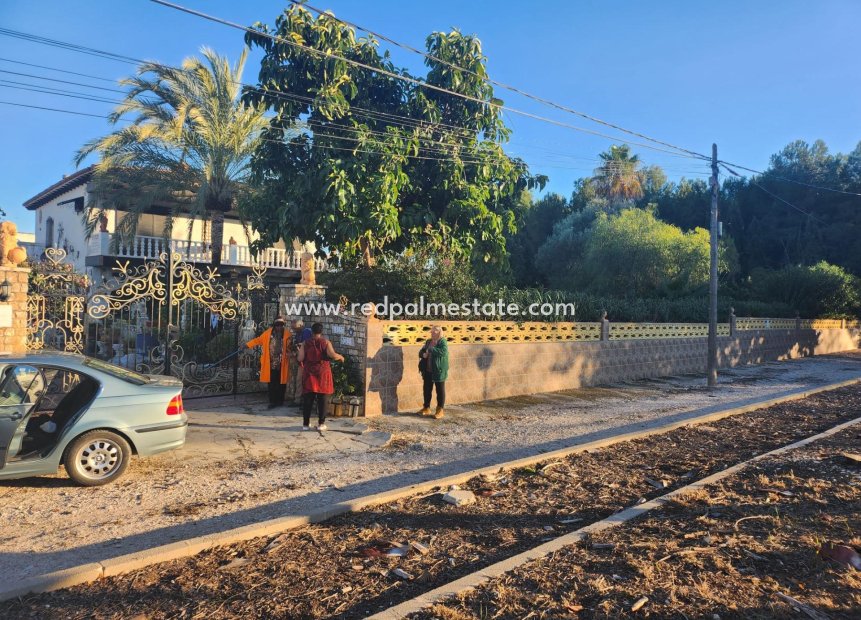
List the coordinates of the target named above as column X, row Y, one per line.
column 243, row 464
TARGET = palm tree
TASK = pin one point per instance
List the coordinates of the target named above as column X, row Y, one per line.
column 188, row 147
column 618, row 178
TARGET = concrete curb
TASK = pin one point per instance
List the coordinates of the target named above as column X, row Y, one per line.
column 473, row 580
column 192, row 546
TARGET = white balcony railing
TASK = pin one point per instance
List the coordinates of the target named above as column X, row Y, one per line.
column 149, row 248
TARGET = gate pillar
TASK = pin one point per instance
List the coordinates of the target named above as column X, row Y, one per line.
column 13, row 311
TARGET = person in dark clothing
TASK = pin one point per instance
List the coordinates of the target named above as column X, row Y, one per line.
column 300, row 335
column 433, row 364
column 317, row 382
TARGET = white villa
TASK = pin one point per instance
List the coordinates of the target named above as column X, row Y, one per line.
column 59, row 223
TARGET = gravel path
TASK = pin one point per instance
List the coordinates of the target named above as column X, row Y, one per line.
column 50, row 524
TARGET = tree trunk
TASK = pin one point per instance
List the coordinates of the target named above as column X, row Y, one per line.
column 365, row 246
column 217, row 235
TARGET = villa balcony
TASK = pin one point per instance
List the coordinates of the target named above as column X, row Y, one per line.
column 99, row 253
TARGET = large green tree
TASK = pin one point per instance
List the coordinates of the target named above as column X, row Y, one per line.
column 362, row 162
column 188, row 147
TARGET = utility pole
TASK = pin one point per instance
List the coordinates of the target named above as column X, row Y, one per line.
column 711, row 364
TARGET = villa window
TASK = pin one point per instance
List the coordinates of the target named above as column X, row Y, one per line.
column 49, row 232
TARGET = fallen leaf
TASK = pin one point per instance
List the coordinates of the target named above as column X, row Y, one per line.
column 852, row 458
column 658, row 484
column 841, row 554
column 237, row 563
column 422, row 549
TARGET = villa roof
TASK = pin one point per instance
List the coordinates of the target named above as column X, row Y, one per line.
column 62, row 186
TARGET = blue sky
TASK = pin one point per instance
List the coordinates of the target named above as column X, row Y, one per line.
column 751, row 76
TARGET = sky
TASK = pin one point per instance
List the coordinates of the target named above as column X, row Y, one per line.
column 749, row 76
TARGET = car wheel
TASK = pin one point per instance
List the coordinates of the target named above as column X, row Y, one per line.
column 97, row 458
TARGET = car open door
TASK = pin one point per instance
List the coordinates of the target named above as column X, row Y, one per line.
column 19, row 389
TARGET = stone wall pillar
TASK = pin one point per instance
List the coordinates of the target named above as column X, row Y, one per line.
column 13, row 312
column 380, row 386
column 732, row 326
column 347, row 333
column 605, row 326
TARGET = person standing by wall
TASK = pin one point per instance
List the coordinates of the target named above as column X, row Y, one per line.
column 433, row 364
column 317, row 382
column 274, row 364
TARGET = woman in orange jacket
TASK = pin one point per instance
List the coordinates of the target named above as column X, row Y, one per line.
column 274, row 365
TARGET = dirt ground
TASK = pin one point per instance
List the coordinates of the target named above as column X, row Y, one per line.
column 362, row 563
column 748, row 547
column 244, row 465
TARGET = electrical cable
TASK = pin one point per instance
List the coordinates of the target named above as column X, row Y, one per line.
column 502, row 85
column 788, row 180
column 412, row 80
column 334, row 125
column 773, row 195
column 377, row 116
column 30, row 64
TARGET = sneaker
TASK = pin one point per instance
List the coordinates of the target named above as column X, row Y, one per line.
column 439, row 413
column 306, row 428
column 322, row 427
column 425, row 411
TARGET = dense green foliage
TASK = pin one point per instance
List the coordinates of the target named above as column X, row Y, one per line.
column 647, row 259
column 773, row 258
column 816, row 290
column 340, row 167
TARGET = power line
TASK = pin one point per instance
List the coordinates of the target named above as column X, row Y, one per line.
column 30, row 64
column 383, row 116
column 409, row 79
column 391, row 119
column 38, row 107
column 46, row 91
column 312, row 145
column 42, row 77
column 489, row 80
column 773, row 195
column 788, row 180
column 70, row 46
column 371, row 115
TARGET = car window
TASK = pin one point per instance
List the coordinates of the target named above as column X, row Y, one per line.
column 22, row 385
column 125, row 374
column 59, row 382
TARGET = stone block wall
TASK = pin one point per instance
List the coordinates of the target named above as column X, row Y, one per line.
column 13, row 312
column 488, row 371
column 347, row 333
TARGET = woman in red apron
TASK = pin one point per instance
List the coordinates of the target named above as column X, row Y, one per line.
column 317, row 384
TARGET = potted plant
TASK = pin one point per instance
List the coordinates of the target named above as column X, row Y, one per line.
column 348, row 385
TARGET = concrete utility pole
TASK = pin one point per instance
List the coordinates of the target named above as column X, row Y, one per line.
column 711, row 364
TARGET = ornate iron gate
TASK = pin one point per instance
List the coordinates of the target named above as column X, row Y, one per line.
column 56, row 301
column 160, row 317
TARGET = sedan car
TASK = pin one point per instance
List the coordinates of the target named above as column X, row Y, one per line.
column 83, row 413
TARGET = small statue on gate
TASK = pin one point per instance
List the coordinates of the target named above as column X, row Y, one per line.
column 306, row 264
